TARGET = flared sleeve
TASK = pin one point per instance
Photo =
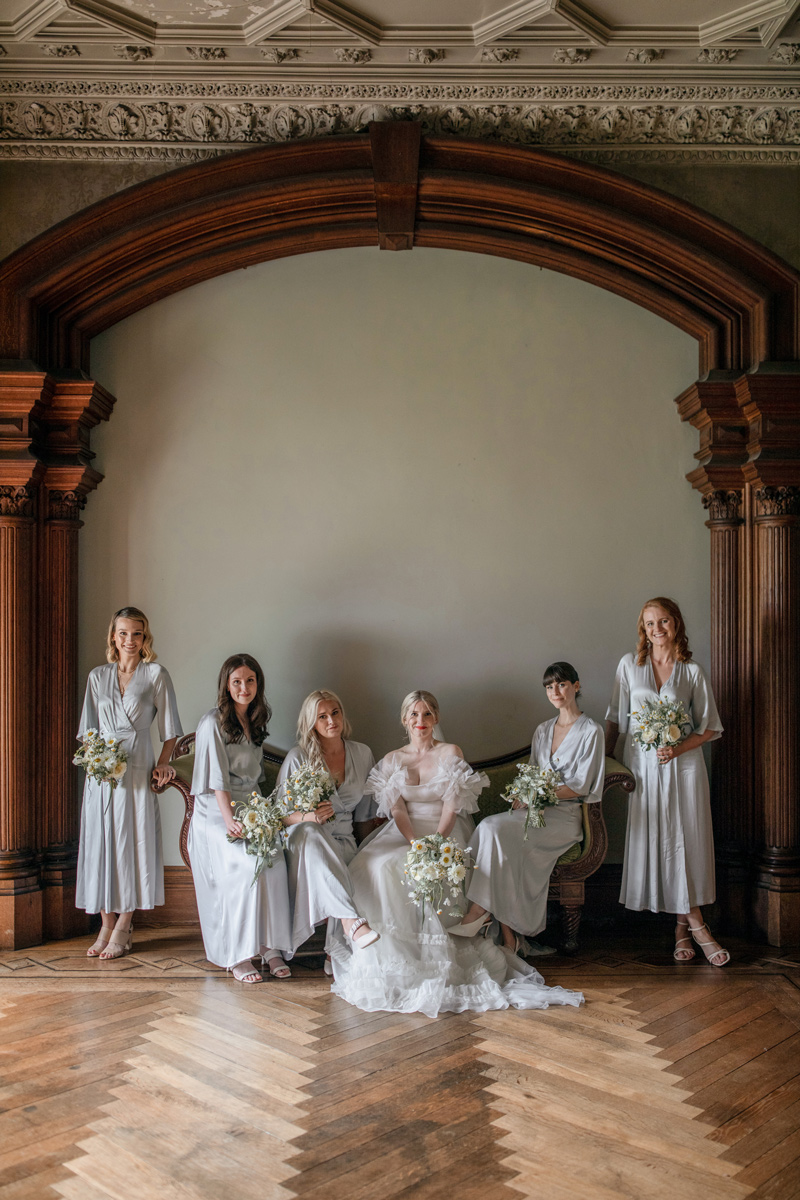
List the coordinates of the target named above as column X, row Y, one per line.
column 169, row 723
column 620, row 707
column 462, row 785
column 386, row 783
column 90, row 717
column 703, row 706
column 294, row 759
column 211, row 768
column 584, row 770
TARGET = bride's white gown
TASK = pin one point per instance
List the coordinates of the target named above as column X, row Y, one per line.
column 417, row 966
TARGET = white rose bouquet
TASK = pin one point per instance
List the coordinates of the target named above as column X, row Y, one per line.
column 104, row 759
column 534, row 787
column 435, row 865
column 660, row 723
column 262, row 821
column 305, row 790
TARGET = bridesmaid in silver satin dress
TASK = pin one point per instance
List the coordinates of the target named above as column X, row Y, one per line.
column 120, row 862
column 239, row 919
column 669, row 843
column 319, row 845
column 511, row 875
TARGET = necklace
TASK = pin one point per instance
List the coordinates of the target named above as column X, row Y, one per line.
column 124, row 678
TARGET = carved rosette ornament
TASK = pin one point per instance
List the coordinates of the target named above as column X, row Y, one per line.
column 723, row 507
column 787, row 54
column 778, row 502
column 17, row 501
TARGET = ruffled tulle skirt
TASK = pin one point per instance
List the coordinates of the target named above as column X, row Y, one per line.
column 417, row 966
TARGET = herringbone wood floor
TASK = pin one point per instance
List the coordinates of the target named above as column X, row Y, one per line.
column 157, row 1076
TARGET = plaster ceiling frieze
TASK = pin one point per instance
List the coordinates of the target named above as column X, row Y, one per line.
column 277, row 55
column 644, row 55
column 788, row 53
column 158, row 121
column 133, row 53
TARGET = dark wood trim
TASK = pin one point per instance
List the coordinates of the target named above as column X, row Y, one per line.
column 736, row 298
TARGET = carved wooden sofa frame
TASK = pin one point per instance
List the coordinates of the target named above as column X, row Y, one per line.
column 567, row 882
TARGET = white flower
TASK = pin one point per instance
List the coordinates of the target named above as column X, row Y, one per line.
column 649, row 735
column 118, row 770
column 457, row 873
column 674, row 733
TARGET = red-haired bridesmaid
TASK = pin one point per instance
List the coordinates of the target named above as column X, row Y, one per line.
column 669, row 844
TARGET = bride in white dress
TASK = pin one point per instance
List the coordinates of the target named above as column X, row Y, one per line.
column 425, row 787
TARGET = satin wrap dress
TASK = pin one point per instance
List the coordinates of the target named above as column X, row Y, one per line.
column 238, row 917
column 317, row 855
column 511, row 876
column 120, row 860
column 669, row 842
column 417, row 966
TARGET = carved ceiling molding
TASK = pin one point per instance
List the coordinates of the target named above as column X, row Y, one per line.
column 495, row 93
column 139, row 128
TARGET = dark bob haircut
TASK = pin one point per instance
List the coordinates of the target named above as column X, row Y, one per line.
column 560, row 672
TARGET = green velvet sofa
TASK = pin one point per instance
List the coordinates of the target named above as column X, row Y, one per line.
column 568, row 880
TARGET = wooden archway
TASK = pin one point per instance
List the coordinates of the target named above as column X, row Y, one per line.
column 393, row 189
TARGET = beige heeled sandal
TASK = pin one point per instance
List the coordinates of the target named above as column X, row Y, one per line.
column 683, row 954
column 119, row 944
column 103, row 938
column 726, row 958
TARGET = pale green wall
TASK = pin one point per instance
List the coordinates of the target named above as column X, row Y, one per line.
column 384, row 471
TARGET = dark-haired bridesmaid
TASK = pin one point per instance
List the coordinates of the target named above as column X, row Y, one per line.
column 240, row 919
column 669, row 843
column 511, row 876
column 120, row 862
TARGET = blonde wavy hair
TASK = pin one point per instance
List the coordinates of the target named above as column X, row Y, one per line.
column 682, row 651
column 413, row 698
column 307, row 736
column 132, row 614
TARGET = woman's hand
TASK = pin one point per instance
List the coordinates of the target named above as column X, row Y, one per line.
column 234, row 827
column 667, row 753
column 517, row 803
column 323, row 813
column 162, row 775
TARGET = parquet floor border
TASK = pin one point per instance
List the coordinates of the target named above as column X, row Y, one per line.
column 159, row 1076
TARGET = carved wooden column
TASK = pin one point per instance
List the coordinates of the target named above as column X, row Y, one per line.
column 76, row 405
column 21, row 398
column 20, row 894
column 711, row 407
column 770, row 400
column 44, row 478
column 777, row 707
column 731, row 680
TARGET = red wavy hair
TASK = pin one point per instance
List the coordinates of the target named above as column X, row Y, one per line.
column 682, row 651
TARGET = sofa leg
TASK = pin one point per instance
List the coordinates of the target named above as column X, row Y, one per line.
column 571, row 915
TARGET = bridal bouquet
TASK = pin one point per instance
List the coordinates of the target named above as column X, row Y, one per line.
column 306, row 789
column 262, row 821
column 660, row 723
column 435, row 864
column 104, row 759
column 535, row 787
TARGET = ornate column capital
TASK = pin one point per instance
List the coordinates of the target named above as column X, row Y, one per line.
column 724, row 506
column 18, row 501
column 777, row 502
